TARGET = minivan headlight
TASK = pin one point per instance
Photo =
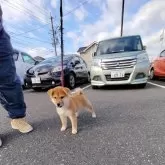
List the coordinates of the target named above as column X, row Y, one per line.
column 142, row 58
column 96, row 63
column 58, row 69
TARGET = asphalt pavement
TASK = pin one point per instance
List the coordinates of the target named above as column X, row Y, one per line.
column 129, row 130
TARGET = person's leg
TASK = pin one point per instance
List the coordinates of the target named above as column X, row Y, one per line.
column 12, row 100
column 11, row 95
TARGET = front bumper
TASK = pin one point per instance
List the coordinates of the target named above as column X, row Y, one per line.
column 131, row 75
column 46, row 80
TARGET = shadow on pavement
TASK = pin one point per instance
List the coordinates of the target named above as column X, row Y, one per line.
column 124, row 87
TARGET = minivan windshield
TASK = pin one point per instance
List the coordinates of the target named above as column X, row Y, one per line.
column 117, row 45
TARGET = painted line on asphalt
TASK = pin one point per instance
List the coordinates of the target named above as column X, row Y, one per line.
column 86, row 87
column 157, row 85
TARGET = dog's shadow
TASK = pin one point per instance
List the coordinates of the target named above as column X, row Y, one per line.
column 85, row 121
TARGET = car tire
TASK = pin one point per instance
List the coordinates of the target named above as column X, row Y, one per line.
column 152, row 76
column 94, row 87
column 37, row 89
column 142, row 85
column 71, row 81
column 89, row 78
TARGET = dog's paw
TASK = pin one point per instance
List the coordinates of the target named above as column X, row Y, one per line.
column 74, row 132
column 77, row 114
column 94, row 115
column 63, row 129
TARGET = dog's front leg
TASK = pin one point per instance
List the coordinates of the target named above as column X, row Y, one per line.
column 73, row 120
column 63, row 122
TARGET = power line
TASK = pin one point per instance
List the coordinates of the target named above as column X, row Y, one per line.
column 19, row 42
column 41, row 9
column 81, row 4
column 17, row 8
column 28, row 12
column 21, row 5
column 35, row 39
column 32, row 30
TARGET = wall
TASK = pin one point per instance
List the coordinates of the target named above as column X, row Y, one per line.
column 87, row 56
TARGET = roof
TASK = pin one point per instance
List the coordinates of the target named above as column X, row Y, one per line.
column 84, row 49
column 81, row 49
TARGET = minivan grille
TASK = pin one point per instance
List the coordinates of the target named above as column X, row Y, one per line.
column 118, row 64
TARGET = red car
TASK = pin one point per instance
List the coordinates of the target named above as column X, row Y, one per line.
column 158, row 67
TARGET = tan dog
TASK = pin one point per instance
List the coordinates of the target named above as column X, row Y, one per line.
column 68, row 104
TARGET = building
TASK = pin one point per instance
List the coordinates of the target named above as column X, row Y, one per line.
column 87, row 53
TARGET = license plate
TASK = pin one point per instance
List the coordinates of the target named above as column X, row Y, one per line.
column 117, row 74
column 36, row 80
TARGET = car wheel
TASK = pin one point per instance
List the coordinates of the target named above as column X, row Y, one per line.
column 94, row 87
column 152, row 75
column 142, row 85
column 71, row 81
column 89, row 78
column 37, row 89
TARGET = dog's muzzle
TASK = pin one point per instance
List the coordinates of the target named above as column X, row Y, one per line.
column 59, row 105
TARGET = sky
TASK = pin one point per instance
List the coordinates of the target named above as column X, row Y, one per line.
column 85, row 21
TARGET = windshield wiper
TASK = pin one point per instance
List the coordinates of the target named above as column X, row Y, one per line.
column 116, row 51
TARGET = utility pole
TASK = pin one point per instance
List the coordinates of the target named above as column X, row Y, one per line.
column 122, row 18
column 62, row 42
column 54, row 35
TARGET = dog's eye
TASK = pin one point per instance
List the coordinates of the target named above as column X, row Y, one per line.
column 54, row 97
column 62, row 97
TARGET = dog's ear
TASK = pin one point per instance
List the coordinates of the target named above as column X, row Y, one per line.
column 66, row 90
column 50, row 92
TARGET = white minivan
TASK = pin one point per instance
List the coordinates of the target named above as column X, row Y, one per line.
column 23, row 62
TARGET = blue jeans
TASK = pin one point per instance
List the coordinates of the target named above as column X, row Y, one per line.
column 11, row 95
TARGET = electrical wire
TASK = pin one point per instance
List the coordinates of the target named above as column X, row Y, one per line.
column 41, row 9
column 75, row 8
column 29, row 13
column 32, row 30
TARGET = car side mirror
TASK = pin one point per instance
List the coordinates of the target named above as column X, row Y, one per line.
column 144, row 47
column 36, row 62
column 77, row 62
column 94, row 54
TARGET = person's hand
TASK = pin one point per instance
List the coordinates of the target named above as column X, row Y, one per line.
column 0, row 11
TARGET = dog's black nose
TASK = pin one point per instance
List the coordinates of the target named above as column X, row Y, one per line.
column 58, row 104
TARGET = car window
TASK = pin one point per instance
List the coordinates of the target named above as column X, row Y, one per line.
column 82, row 62
column 117, row 45
column 27, row 59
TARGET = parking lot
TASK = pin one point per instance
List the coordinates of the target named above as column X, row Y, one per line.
column 129, row 129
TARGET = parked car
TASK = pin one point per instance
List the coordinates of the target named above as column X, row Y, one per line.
column 48, row 72
column 39, row 59
column 122, row 60
column 23, row 62
column 157, row 69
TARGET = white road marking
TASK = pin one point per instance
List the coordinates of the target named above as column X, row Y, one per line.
column 160, row 86
column 88, row 86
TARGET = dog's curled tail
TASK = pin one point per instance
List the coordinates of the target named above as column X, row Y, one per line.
column 78, row 91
